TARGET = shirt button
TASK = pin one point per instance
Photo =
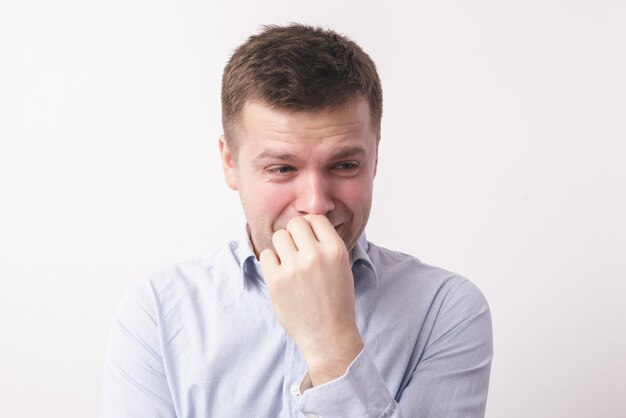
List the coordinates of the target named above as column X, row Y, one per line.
column 295, row 390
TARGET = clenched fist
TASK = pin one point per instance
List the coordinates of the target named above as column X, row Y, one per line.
column 311, row 287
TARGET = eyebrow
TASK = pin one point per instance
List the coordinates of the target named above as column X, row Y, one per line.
column 285, row 156
column 348, row 152
column 272, row 155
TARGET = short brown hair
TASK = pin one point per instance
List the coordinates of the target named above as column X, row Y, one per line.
column 299, row 68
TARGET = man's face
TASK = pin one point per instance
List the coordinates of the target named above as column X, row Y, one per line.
column 296, row 163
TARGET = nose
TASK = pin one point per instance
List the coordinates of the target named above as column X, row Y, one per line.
column 314, row 195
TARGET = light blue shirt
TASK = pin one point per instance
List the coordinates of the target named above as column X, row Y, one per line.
column 200, row 339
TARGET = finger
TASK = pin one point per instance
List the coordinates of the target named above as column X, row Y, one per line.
column 302, row 234
column 322, row 228
column 269, row 262
column 283, row 245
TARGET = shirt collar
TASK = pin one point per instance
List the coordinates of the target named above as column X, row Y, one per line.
column 360, row 257
column 250, row 267
column 245, row 257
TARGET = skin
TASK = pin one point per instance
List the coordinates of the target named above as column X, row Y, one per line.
column 305, row 181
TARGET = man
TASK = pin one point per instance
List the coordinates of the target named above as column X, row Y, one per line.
column 302, row 316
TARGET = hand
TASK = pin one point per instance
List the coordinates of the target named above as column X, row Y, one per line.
column 311, row 287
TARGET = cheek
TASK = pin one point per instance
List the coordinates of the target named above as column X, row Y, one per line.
column 357, row 195
column 268, row 200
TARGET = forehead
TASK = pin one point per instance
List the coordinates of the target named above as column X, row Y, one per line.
column 261, row 123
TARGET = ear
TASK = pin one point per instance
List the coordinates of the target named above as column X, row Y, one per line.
column 376, row 161
column 228, row 164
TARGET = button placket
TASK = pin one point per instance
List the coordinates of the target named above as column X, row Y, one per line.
column 293, row 366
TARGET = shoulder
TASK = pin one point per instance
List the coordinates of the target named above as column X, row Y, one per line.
column 391, row 265
column 181, row 281
column 407, row 276
column 454, row 311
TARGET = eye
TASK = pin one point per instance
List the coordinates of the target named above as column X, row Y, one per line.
column 280, row 169
column 347, row 166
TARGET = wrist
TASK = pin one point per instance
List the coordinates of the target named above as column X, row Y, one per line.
column 333, row 361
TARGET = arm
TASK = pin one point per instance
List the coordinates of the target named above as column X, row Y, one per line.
column 134, row 383
column 311, row 289
column 451, row 379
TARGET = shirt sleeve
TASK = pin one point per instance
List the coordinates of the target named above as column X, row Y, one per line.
column 451, row 378
column 360, row 392
column 134, row 382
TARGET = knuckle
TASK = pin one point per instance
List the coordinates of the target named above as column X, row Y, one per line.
column 274, row 285
column 311, row 259
column 338, row 252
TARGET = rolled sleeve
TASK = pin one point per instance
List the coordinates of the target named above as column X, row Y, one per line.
column 360, row 392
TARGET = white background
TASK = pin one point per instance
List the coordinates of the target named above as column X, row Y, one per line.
column 502, row 158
